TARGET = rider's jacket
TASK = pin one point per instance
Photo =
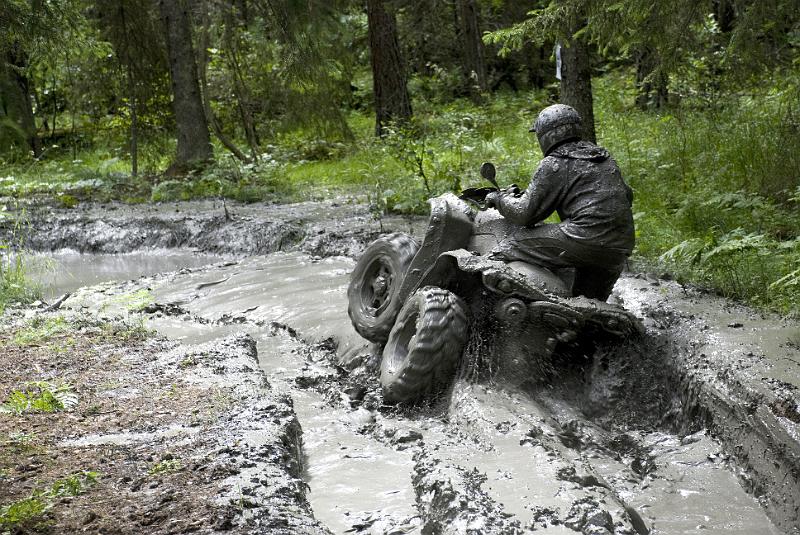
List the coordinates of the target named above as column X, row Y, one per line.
column 583, row 184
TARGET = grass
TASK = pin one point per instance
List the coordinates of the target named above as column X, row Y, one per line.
column 41, row 329
column 716, row 182
column 717, row 191
column 15, row 285
column 165, row 466
column 28, row 514
column 57, row 333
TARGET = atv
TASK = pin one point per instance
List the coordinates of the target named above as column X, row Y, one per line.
column 416, row 300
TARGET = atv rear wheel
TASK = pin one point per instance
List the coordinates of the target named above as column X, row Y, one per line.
column 424, row 346
column 373, row 300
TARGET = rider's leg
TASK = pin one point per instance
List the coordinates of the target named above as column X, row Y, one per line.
column 548, row 246
column 543, row 245
column 596, row 282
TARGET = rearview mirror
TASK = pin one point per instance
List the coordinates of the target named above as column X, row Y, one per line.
column 489, row 172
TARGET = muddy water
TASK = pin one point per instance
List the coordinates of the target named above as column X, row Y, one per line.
column 351, row 477
column 289, row 288
column 731, row 331
column 65, row 271
column 512, row 439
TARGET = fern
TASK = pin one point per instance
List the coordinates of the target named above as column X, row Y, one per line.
column 41, row 396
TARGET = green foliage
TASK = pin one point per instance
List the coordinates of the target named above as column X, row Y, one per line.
column 441, row 150
column 715, row 190
column 23, row 514
column 73, row 485
column 165, row 466
column 29, row 513
column 41, row 329
column 132, row 301
column 736, row 38
column 15, row 285
column 96, row 174
column 743, row 266
column 714, row 173
column 228, row 178
column 41, row 396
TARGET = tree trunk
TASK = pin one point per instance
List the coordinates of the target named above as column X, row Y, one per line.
column 15, row 99
column 134, row 122
column 210, row 117
column 388, row 70
column 472, row 57
column 194, row 141
column 651, row 83
column 576, row 83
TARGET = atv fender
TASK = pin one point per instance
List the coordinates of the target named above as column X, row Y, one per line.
column 449, row 228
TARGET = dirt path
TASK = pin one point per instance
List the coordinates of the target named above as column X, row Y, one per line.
column 693, row 427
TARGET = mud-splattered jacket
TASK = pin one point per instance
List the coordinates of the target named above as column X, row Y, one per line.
column 582, row 183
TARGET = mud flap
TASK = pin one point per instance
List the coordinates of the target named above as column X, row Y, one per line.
column 564, row 321
column 611, row 319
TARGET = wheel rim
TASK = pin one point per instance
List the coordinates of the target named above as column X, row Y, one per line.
column 376, row 293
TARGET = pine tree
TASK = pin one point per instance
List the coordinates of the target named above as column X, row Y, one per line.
column 194, row 143
column 392, row 102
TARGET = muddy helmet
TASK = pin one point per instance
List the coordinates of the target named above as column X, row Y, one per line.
column 556, row 124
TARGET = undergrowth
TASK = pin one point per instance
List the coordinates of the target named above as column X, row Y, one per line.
column 28, row 514
column 41, row 329
column 717, row 187
column 15, row 284
column 40, row 396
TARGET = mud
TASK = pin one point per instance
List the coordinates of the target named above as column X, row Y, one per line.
column 335, row 227
column 693, row 428
column 181, row 439
column 67, row 270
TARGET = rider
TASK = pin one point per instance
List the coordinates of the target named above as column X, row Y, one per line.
column 582, row 183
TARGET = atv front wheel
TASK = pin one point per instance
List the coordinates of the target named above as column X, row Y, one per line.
column 424, row 346
column 373, row 301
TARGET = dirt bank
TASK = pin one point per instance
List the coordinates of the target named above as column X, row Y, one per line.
column 336, row 227
column 152, row 437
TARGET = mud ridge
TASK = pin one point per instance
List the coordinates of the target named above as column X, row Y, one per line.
column 452, row 501
column 261, row 437
column 201, row 225
column 213, row 234
column 183, row 439
column 643, row 435
column 666, row 381
column 764, row 444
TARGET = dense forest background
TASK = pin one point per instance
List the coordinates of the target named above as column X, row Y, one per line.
column 399, row 100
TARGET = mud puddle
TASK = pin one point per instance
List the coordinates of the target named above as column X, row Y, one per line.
column 67, row 270
column 488, row 458
column 692, row 429
column 353, row 479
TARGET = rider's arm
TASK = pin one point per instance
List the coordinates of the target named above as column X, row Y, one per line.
column 540, row 199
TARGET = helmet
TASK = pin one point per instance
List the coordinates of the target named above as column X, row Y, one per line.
column 555, row 124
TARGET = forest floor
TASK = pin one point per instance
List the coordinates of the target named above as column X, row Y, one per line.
column 233, row 395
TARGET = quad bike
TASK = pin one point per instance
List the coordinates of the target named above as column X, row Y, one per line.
column 416, row 299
